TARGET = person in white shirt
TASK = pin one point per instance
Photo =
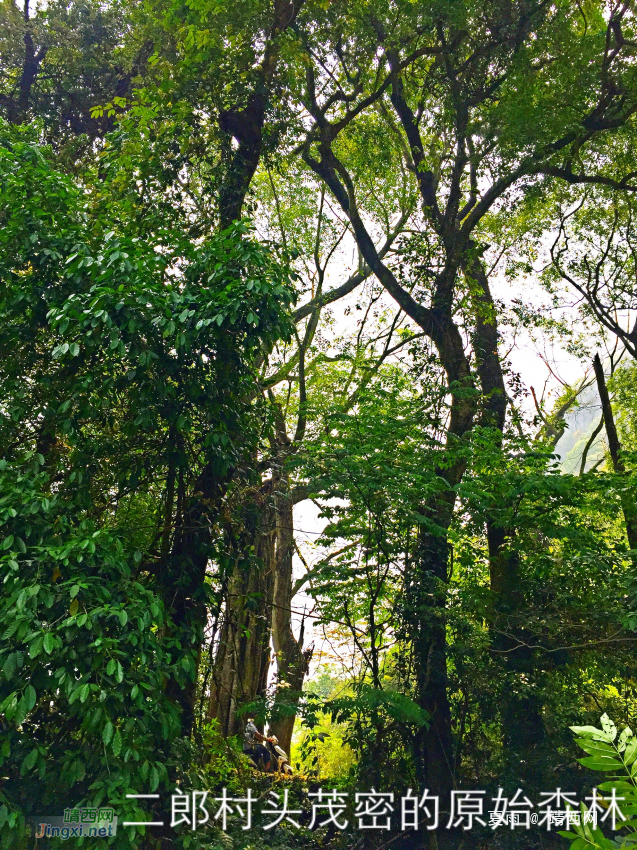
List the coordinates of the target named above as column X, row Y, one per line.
column 253, row 746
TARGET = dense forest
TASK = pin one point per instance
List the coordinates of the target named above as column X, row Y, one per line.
column 272, row 446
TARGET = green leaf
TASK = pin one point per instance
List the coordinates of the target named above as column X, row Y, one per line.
column 154, row 779
column 107, row 733
column 49, row 643
column 608, row 726
column 36, row 647
column 9, row 666
column 631, row 751
column 29, row 762
column 618, row 784
column 30, row 696
column 75, row 773
column 21, row 711
column 84, row 692
column 117, row 743
column 587, row 731
column 599, row 763
column 595, row 748
column 119, row 675
column 624, row 738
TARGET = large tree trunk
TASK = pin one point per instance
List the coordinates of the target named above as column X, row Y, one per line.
column 182, row 572
column 522, row 725
column 240, row 668
column 292, row 661
column 426, row 585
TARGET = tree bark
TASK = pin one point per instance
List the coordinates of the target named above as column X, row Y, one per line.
column 292, row 661
column 182, row 581
column 425, row 613
column 522, row 725
column 245, row 124
column 615, row 449
column 240, row 669
column 17, row 108
column 426, row 586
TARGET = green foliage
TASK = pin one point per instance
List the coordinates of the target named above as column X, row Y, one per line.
column 222, row 761
column 369, row 702
column 609, row 753
column 122, row 358
column 141, row 453
column 83, row 704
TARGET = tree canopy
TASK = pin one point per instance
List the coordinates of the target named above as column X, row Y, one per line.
column 266, row 265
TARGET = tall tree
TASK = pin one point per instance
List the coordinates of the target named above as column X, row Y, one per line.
column 466, row 85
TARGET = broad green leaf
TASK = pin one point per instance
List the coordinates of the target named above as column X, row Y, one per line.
column 30, row 697
column 35, row 647
column 631, row 751
column 154, row 779
column 598, row 763
column 117, row 743
column 596, row 747
column 608, row 726
column 29, row 761
column 9, row 666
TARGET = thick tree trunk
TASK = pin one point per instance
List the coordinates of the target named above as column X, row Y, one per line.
column 182, row 578
column 239, row 674
column 425, row 596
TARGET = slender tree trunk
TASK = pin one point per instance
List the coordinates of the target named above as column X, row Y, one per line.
column 17, row 109
column 615, row 449
column 292, row 661
column 522, row 726
column 245, row 124
column 425, row 612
